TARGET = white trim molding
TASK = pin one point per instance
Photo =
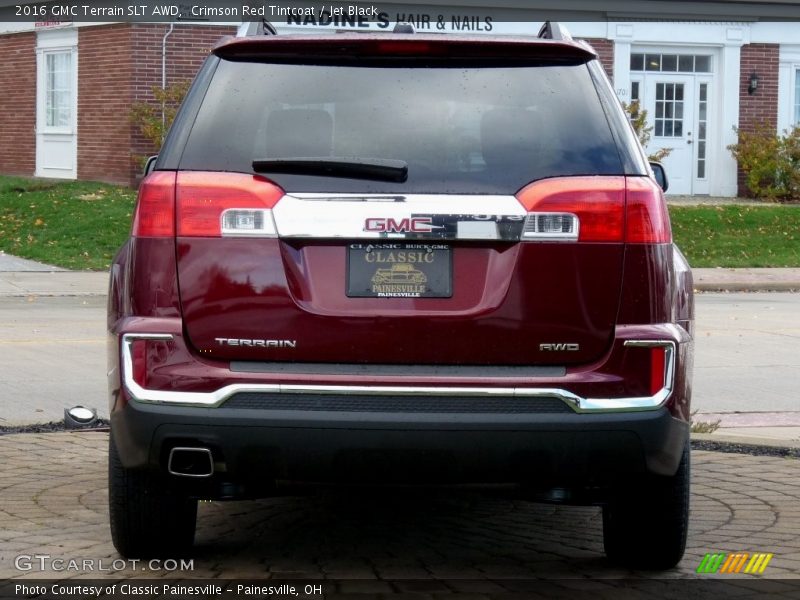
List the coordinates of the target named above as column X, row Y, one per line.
column 788, row 67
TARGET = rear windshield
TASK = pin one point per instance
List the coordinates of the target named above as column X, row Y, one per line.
column 461, row 129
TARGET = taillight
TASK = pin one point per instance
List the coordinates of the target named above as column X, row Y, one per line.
column 139, row 359
column 647, row 216
column 217, row 204
column 658, row 369
column 155, row 207
column 596, row 209
column 584, row 209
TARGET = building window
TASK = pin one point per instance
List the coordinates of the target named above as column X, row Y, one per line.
column 669, row 110
column 671, row 63
column 702, row 131
column 635, row 100
column 797, row 96
column 58, row 92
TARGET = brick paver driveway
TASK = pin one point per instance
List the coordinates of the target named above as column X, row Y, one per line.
column 53, row 490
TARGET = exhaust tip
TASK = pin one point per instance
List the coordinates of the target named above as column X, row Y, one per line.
column 190, row 462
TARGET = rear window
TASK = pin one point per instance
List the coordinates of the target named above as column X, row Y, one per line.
column 461, row 129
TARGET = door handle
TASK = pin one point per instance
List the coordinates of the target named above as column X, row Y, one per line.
column 689, row 142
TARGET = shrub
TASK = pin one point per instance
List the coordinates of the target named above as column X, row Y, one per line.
column 703, row 426
column 638, row 118
column 148, row 118
column 770, row 162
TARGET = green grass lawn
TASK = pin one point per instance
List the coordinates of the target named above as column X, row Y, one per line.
column 738, row 235
column 80, row 225
column 77, row 225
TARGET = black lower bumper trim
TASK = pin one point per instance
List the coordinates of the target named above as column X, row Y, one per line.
column 263, row 445
column 396, row 404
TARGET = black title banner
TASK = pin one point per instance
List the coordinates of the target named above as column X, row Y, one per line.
column 435, row 12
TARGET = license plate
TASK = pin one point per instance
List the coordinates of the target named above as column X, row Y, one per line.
column 399, row 270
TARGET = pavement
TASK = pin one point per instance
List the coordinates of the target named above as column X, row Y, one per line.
column 52, row 281
column 55, row 498
column 425, row 544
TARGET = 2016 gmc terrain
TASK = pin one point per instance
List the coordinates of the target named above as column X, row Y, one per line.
column 399, row 259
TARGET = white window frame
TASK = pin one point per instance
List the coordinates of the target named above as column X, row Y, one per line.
column 54, row 141
column 43, row 125
column 788, row 99
column 717, row 80
column 794, row 92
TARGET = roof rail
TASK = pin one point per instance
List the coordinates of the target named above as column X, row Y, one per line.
column 253, row 28
column 403, row 28
column 554, row 31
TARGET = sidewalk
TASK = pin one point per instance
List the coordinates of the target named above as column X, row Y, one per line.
column 746, row 280
column 51, row 281
column 431, row 544
column 20, row 277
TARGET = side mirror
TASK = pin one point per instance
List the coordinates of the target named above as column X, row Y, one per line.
column 660, row 175
column 150, row 165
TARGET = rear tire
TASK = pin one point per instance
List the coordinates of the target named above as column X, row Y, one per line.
column 645, row 524
column 148, row 520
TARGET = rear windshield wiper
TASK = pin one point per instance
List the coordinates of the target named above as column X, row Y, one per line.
column 380, row 169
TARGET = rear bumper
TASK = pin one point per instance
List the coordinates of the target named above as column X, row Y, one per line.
column 219, row 396
column 590, row 424
column 260, row 446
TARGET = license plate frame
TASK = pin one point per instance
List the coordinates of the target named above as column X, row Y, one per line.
column 399, row 270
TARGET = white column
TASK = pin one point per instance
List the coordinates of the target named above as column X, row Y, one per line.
column 622, row 70
column 723, row 171
column 621, row 34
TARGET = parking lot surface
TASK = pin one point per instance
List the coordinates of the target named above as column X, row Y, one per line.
column 53, row 489
column 747, row 355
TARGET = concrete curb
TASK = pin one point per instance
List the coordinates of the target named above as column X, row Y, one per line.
column 65, row 294
column 750, row 286
column 708, row 438
column 751, row 449
column 724, row 279
column 18, row 284
column 745, row 441
column 698, row 289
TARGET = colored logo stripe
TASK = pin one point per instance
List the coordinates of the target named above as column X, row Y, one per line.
column 758, row 563
column 711, row 563
column 721, row 562
column 735, row 562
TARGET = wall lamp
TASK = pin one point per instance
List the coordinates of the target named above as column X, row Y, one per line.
column 753, row 83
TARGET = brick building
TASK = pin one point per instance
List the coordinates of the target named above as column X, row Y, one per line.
column 67, row 93
column 67, row 90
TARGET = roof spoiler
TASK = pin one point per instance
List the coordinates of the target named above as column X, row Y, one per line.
column 352, row 46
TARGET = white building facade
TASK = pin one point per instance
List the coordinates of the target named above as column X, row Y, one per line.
column 698, row 82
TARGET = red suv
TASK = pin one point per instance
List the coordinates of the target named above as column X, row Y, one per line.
column 401, row 259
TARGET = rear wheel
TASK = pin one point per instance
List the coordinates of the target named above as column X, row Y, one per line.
column 645, row 524
column 148, row 520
